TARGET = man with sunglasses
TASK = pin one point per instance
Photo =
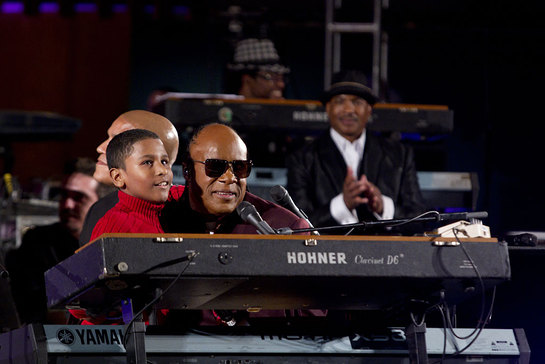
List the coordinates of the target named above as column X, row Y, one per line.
column 256, row 72
column 45, row 246
column 262, row 85
column 215, row 168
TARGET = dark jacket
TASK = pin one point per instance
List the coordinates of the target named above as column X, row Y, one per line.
column 317, row 171
column 95, row 213
column 42, row 248
column 178, row 217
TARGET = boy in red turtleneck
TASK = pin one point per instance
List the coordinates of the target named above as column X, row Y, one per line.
column 139, row 167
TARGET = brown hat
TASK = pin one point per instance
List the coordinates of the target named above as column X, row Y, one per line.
column 350, row 83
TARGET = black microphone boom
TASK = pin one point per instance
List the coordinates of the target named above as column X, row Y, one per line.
column 249, row 214
column 463, row 215
column 433, row 217
column 281, row 196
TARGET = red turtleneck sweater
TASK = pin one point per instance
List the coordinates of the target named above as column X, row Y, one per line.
column 130, row 215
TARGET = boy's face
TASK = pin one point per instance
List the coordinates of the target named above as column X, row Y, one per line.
column 147, row 174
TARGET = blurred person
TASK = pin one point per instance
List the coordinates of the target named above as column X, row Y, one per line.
column 44, row 246
column 257, row 73
column 348, row 174
column 256, row 70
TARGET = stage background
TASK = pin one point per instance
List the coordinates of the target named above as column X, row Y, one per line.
column 483, row 60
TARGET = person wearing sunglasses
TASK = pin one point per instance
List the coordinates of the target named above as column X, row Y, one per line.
column 216, row 167
column 44, row 246
column 262, row 85
column 256, row 71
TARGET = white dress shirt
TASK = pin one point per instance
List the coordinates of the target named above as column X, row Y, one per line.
column 352, row 153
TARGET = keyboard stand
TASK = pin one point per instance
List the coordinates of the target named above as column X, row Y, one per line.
column 135, row 346
column 416, row 342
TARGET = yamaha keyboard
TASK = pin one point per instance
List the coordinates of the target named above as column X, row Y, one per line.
column 301, row 115
column 103, row 344
column 253, row 272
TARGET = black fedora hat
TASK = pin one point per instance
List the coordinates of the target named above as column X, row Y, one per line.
column 349, row 82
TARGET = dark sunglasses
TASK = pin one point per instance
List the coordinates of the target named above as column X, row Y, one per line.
column 216, row 167
column 271, row 77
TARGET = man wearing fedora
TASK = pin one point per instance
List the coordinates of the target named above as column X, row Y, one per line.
column 256, row 73
column 348, row 174
column 256, row 70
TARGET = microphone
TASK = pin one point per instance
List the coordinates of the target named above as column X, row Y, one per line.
column 281, row 196
column 249, row 214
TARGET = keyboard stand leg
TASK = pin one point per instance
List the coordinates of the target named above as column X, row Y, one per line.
column 416, row 341
column 135, row 341
column 152, row 317
column 136, row 346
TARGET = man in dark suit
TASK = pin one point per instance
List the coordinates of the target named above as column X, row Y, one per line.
column 348, row 174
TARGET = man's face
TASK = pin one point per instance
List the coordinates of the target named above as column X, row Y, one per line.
column 266, row 85
column 147, row 173
column 221, row 195
column 348, row 115
column 102, row 173
column 78, row 194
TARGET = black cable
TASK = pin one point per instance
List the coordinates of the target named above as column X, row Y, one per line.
column 139, row 313
column 418, row 324
column 416, row 217
column 169, row 263
column 444, row 352
column 481, row 322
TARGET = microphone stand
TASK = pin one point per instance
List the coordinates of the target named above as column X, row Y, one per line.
column 393, row 222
